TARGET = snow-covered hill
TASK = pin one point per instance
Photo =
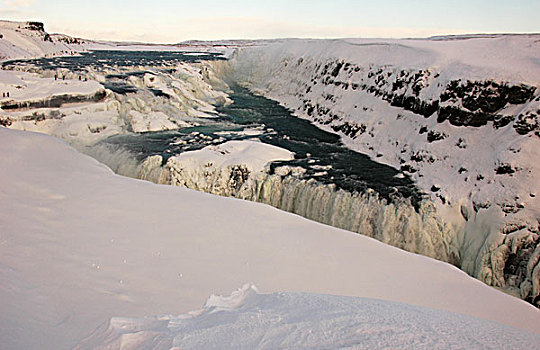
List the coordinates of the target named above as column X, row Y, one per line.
column 80, row 246
column 30, row 40
column 460, row 115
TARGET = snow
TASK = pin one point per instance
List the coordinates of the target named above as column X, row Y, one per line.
column 80, row 245
column 154, row 121
column 19, row 42
column 25, row 88
column 254, row 154
column 249, row 320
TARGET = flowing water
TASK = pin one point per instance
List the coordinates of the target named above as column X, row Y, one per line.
column 321, row 154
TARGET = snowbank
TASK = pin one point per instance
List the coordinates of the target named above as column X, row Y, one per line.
column 249, row 320
column 252, row 154
column 81, row 245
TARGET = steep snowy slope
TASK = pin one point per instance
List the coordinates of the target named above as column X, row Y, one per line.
column 30, row 40
column 80, row 245
column 460, row 115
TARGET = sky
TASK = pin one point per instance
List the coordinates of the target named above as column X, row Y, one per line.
column 171, row 21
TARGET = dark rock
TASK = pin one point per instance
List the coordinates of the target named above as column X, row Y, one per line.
column 408, row 168
column 435, row 136
column 478, row 205
column 515, row 266
column 54, row 101
column 525, row 123
column 352, row 130
column 500, row 121
column 464, row 212
column 5, row 121
column 38, row 26
column 337, row 68
column 504, row 169
column 480, row 101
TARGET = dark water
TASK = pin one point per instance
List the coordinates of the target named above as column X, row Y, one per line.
column 321, row 153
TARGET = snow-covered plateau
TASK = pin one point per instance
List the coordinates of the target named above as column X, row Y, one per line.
column 95, row 260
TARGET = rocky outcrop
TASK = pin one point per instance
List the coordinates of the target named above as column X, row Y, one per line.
column 462, row 103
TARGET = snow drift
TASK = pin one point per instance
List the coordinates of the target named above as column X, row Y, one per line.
column 249, row 320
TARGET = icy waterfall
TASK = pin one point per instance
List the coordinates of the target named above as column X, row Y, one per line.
column 397, row 223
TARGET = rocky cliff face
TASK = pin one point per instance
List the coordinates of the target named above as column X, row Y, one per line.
column 469, row 135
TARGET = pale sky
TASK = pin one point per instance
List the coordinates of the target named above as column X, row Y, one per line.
column 172, row 21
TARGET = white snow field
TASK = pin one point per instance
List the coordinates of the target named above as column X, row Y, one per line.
column 249, row 320
column 80, row 245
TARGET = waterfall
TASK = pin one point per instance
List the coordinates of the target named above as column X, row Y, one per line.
column 396, row 223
